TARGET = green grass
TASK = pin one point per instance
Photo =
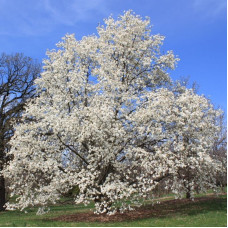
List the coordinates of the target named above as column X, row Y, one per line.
column 206, row 213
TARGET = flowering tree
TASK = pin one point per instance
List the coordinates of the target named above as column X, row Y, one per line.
column 106, row 121
column 195, row 127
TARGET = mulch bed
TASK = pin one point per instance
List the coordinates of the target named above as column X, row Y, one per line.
column 157, row 210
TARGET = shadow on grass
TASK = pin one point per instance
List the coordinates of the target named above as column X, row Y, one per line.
column 165, row 209
column 188, row 207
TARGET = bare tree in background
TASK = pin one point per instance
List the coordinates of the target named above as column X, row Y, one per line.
column 17, row 74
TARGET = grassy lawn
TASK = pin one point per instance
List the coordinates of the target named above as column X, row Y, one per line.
column 211, row 212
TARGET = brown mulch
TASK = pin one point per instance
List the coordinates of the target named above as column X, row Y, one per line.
column 165, row 208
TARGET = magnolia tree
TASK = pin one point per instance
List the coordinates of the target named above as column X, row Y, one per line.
column 106, row 121
column 194, row 129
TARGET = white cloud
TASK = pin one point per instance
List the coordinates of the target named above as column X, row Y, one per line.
column 70, row 12
column 210, row 8
column 31, row 17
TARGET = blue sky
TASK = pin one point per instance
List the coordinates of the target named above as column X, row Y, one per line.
column 195, row 30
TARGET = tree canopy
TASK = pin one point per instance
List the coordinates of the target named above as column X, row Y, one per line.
column 108, row 120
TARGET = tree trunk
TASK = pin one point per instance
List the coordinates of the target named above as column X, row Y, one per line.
column 188, row 195
column 2, row 179
column 2, row 193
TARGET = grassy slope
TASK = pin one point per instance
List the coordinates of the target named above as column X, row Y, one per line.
column 207, row 213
